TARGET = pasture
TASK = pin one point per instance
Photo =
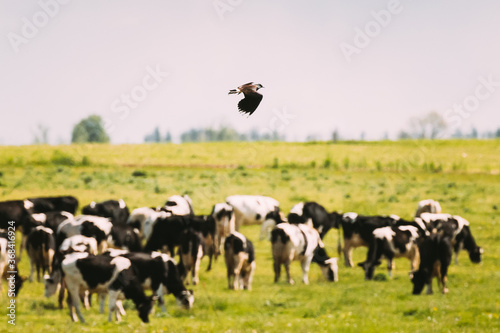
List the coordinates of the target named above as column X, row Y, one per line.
column 365, row 177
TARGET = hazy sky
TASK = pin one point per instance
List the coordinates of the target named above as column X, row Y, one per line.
column 356, row 66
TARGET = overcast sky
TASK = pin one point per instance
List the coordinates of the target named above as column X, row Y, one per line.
column 356, row 66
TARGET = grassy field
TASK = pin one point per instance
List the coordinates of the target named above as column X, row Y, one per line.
column 367, row 177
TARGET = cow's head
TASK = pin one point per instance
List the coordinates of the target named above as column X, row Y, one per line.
column 475, row 254
column 145, row 308
column 52, row 283
column 330, row 269
column 185, row 299
column 335, row 219
column 369, row 268
column 418, row 279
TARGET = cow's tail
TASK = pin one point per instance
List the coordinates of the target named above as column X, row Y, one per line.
column 339, row 246
column 279, row 233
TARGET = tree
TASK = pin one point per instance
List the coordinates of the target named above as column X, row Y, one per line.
column 41, row 135
column 90, row 129
column 153, row 137
column 429, row 126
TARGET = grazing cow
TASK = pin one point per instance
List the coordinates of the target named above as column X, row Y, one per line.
column 159, row 272
column 251, row 209
column 8, row 266
column 103, row 274
column 435, row 257
column 223, row 215
column 50, row 204
column 85, row 225
column 179, row 205
column 391, row 242
column 458, row 229
column 428, row 206
column 52, row 220
column 41, row 246
column 167, row 233
column 239, row 256
column 300, row 242
column 124, row 237
column 115, row 210
column 321, row 219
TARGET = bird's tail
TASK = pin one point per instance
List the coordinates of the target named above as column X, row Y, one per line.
column 233, row 91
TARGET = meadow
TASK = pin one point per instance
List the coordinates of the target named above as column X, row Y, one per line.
column 364, row 177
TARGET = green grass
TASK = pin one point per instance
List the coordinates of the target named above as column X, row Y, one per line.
column 369, row 178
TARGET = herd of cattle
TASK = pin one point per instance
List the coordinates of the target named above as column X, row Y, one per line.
column 111, row 251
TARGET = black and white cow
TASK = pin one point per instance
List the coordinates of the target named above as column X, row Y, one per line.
column 300, row 242
column 458, row 229
column 52, row 220
column 428, row 206
column 321, row 219
column 143, row 219
column 115, row 210
column 167, row 232
column 358, row 231
column 435, row 257
column 179, row 205
column 103, row 274
column 41, row 247
column 251, row 209
column 124, row 237
column 51, row 204
column 239, row 256
column 391, row 242
column 223, row 215
column 85, row 225
column 8, row 264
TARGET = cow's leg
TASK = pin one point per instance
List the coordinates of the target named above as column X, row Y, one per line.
column 112, row 299
column 390, row 264
column 86, row 303
column 249, row 276
column 196, row 272
column 23, row 246
column 119, row 307
column 277, row 270
column 32, row 264
column 348, row 253
column 161, row 299
column 61, row 293
column 239, row 260
column 74, row 303
column 102, row 302
column 305, row 263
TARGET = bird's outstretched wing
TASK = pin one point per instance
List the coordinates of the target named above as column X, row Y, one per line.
column 250, row 103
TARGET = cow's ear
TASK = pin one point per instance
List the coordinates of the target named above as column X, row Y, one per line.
column 361, row 264
column 191, row 291
column 411, row 275
column 481, row 250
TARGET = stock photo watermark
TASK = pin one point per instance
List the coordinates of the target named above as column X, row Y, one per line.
column 363, row 37
column 225, row 6
column 10, row 251
column 31, row 27
column 122, row 106
column 485, row 87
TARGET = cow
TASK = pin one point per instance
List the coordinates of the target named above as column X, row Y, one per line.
column 223, row 215
column 8, row 266
column 53, row 219
column 300, row 242
column 50, row 204
column 458, row 229
column 179, row 205
column 167, row 233
column 41, row 247
column 143, row 219
column 428, row 206
column 435, row 258
column 358, row 231
column 115, row 210
column 239, row 255
column 251, row 209
column 391, row 242
column 321, row 219
column 124, row 237
column 85, row 225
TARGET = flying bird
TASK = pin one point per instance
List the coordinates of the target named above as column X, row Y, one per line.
column 252, row 98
